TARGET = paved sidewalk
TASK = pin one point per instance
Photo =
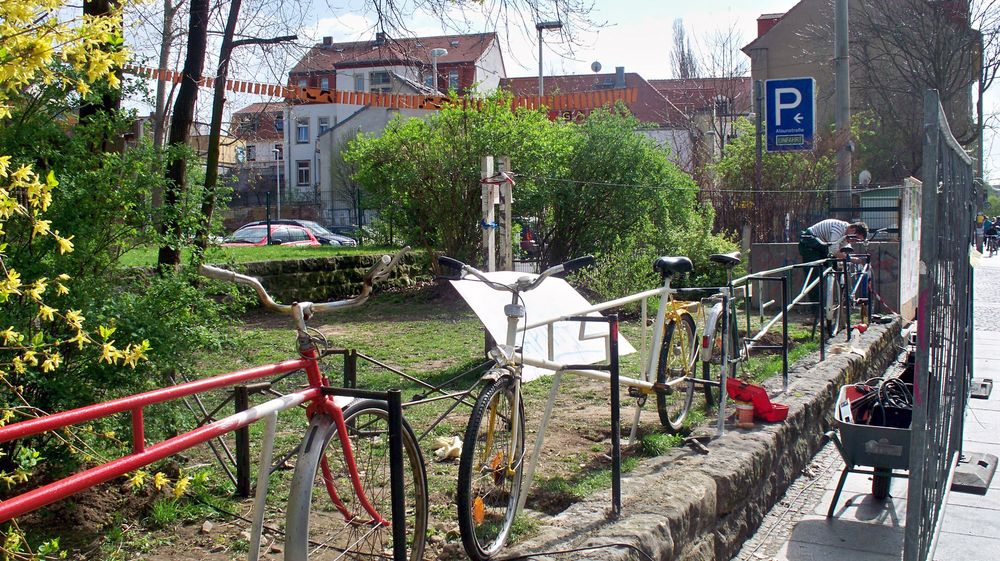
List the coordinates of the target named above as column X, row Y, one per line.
column 864, row 529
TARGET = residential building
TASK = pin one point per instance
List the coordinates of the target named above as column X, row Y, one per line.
column 663, row 121
column 712, row 105
column 898, row 48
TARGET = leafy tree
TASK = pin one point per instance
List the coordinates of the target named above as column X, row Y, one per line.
column 425, row 174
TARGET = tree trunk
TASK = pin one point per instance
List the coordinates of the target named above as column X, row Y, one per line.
column 180, row 128
column 111, row 97
column 159, row 113
column 215, row 128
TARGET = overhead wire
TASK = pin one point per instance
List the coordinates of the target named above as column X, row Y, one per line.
column 679, row 188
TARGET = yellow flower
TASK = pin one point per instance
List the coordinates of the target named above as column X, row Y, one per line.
column 75, row 318
column 30, row 358
column 46, row 312
column 18, row 365
column 181, row 486
column 61, row 289
column 108, row 352
column 80, row 339
column 11, row 336
column 65, row 245
column 137, row 479
column 41, row 226
column 52, row 361
column 63, row 277
column 37, row 289
column 159, row 480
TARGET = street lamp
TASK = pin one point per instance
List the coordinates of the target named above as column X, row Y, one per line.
column 540, row 26
column 435, row 53
column 277, row 179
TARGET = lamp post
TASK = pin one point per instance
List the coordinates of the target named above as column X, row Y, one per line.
column 277, row 180
column 540, row 26
column 435, row 54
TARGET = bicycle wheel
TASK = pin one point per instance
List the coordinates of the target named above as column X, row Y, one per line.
column 489, row 471
column 325, row 519
column 677, row 356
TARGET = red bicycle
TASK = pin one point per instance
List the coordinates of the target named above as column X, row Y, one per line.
column 371, row 501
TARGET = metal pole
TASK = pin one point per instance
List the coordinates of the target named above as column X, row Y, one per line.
column 846, row 298
column 842, row 77
column 616, row 439
column 260, row 500
column 396, row 475
column 241, row 397
column 759, row 149
column 821, row 315
column 541, row 79
column 784, row 333
column 267, row 215
column 351, row 369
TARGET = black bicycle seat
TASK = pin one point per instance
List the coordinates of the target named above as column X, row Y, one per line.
column 667, row 266
column 727, row 259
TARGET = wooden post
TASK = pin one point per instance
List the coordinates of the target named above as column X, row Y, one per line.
column 507, row 199
column 489, row 215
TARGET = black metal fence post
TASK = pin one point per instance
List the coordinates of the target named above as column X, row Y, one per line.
column 396, row 475
column 616, row 439
column 784, row 330
column 821, row 313
column 241, row 397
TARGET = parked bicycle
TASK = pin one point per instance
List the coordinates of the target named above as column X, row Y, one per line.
column 339, row 504
column 491, row 468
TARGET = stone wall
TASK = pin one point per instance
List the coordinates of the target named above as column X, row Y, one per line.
column 321, row 279
column 687, row 506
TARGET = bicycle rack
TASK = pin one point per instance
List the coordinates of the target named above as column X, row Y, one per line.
column 752, row 343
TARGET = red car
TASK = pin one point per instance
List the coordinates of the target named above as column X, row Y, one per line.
column 281, row 234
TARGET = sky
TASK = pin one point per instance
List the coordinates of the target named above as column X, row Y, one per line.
column 635, row 34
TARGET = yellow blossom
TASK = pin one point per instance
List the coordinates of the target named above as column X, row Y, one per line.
column 65, row 245
column 52, row 361
column 30, row 358
column 75, row 318
column 181, row 486
column 41, row 227
column 108, row 352
column 46, row 312
column 37, row 289
column 61, row 289
column 160, row 480
column 11, row 336
column 138, row 479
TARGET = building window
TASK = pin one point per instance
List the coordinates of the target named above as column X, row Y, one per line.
column 453, row 80
column 303, row 82
column 279, row 123
column 279, row 152
column 380, row 82
column 324, row 83
column 359, row 82
column 302, row 130
column 302, row 173
column 429, row 80
column 251, row 152
column 324, row 124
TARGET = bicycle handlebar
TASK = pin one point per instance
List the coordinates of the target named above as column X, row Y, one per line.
column 569, row 266
column 379, row 271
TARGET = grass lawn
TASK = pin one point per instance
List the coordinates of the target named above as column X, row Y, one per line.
column 146, row 256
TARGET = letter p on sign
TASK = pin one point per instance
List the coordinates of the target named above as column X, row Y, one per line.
column 780, row 95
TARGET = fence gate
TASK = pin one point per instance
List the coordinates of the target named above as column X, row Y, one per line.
column 944, row 332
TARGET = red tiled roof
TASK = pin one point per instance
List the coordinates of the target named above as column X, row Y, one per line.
column 322, row 57
column 260, row 107
column 691, row 95
column 650, row 106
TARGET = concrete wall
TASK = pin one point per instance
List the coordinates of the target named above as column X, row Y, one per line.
column 885, row 265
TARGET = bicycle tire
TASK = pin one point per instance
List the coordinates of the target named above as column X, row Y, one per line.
column 835, row 307
column 673, row 406
column 487, row 491
column 320, row 525
column 880, row 483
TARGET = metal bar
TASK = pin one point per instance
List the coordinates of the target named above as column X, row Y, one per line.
column 821, row 315
column 846, row 298
column 724, row 372
column 241, row 401
column 420, row 382
column 351, row 369
column 260, row 499
column 784, row 334
column 91, row 412
column 616, row 440
column 397, row 475
column 138, row 431
column 529, row 473
column 48, row 494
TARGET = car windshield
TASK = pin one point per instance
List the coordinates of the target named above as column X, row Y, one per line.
column 252, row 234
column 315, row 228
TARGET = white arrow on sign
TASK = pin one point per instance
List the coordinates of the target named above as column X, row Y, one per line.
column 798, row 118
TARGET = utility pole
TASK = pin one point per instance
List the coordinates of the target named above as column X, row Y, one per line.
column 842, row 80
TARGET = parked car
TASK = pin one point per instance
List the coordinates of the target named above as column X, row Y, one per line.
column 325, row 236
column 281, row 234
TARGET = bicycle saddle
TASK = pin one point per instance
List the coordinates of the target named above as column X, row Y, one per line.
column 667, row 266
column 727, row 259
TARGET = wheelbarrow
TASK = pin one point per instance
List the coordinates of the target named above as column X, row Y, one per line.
column 882, row 449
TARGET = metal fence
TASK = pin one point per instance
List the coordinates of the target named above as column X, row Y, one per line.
column 943, row 369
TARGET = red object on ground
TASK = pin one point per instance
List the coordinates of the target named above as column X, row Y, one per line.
column 762, row 407
column 861, row 327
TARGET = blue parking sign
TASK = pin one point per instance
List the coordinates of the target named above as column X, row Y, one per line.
column 791, row 110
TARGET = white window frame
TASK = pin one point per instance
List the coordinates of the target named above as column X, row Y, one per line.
column 302, row 130
column 453, row 79
column 251, row 152
column 279, row 152
column 324, row 83
column 384, row 83
column 323, row 124
column 302, row 169
column 359, row 82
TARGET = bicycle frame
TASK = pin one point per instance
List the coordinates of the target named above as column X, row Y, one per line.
column 318, row 395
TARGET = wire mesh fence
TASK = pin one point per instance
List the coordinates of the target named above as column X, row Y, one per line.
column 943, row 369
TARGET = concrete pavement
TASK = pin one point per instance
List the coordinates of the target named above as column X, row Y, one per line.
column 797, row 529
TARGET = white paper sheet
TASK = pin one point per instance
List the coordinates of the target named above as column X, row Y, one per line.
column 553, row 298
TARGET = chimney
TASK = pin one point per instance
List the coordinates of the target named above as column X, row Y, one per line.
column 619, row 77
column 327, row 41
column 380, row 38
column 766, row 21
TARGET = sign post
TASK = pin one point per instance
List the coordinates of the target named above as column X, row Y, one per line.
column 791, row 112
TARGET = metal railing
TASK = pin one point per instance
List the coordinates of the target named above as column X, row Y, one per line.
column 943, row 371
